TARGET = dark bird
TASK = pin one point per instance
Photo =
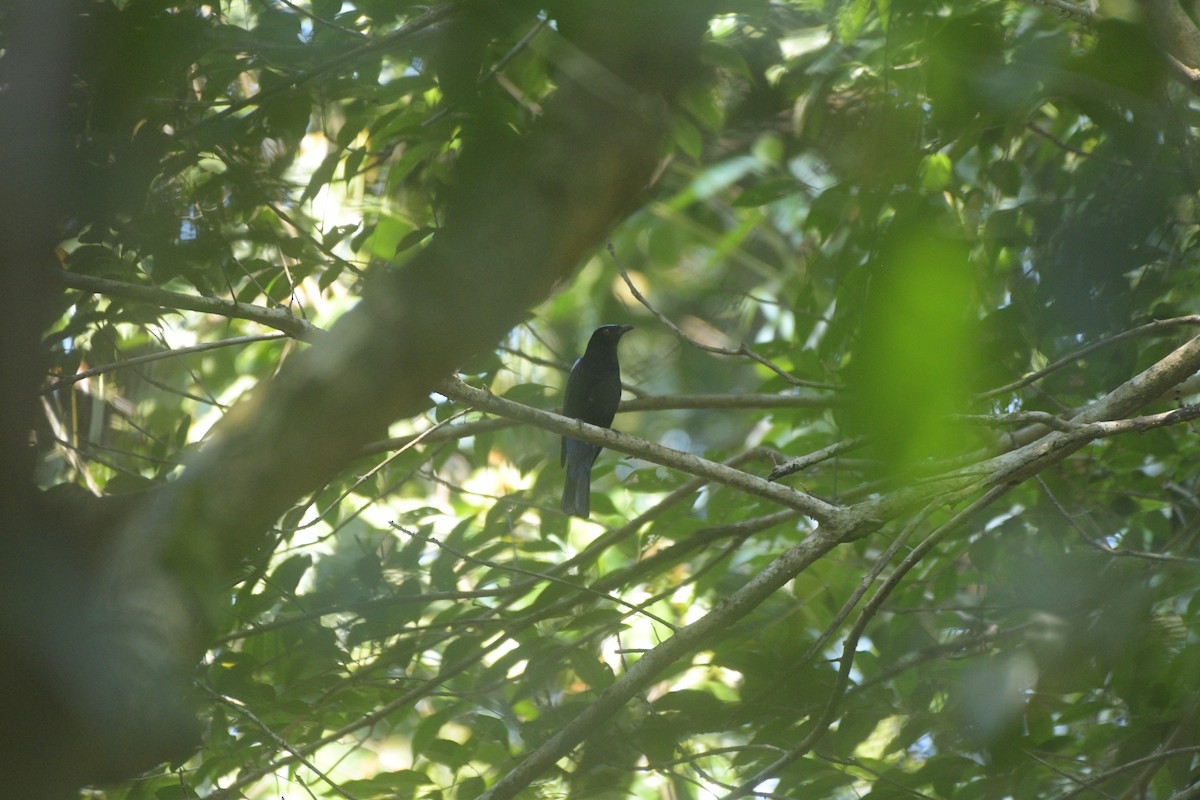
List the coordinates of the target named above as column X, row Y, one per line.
column 592, row 395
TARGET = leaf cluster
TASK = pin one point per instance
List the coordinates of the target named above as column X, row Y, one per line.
column 915, row 215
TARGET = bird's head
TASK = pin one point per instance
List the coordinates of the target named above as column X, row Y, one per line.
column 613, row 332
column 606, row 337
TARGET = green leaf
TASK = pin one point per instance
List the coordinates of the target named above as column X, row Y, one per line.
column 767, row 191
column 936, row 172
column 287, row 575
column 469, row 788
column 594, row 672
column 851, row 16
column 322, row 175
column 686, row 137
column 401, row 785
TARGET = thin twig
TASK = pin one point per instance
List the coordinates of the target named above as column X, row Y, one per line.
column 642, row 673
column 279, row 740
column 1150, row 327
column 494, row 71
column 1102, row 546
column 937, row 651
column 322, row 21
column 881, row 777
column 1086, row 784
column 675, row 402
column 408, row 444
column 1064, row 774
column 248, row 777
column 73, row 455
column 865, row 582
column 86, row 452
column 161, row 337
column 299, row 617
column 278, row 318
column 743, row 350
column 541, row 576
column 800, row 463
column 177, row 352
column 328, row 252
column 405, row 34
column 850, row 645
column 157, row 384
column 1059, row 143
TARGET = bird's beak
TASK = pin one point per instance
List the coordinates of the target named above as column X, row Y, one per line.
column 626, row 329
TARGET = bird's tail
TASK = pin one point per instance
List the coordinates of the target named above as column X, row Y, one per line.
column 577, row 490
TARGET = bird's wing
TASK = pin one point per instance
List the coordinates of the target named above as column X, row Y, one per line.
column 571, row 403
column 573, row 394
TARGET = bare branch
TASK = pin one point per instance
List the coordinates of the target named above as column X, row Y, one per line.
column 606, row 437
column 1101, row 545
column 801, row 463
column 865, row 582
column 743, row 350
column 1100, row 419
column 424, row 599
column 691, row 401
column 180, row 351
column 278, row 318
column 649, row 403
column 1086, row 784
column 1051, row 421
column 1148, row 328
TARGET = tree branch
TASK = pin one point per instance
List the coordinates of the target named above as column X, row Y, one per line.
column 149, row 357
column 850, row 644
column 794, row 465
column 277, row 318
column 1175, row 30
column 655, row 403
column 521, row 213
column 1148, row 328
column 647, row 669
column 819, row 510
column 725, row 401
column 1097, row 420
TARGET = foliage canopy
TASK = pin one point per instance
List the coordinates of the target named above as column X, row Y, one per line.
column 948, row 249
